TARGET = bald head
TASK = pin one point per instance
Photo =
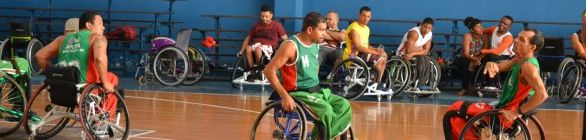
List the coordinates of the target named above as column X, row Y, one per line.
column 332, row 20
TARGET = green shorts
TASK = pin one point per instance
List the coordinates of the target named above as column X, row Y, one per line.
column 333, row 111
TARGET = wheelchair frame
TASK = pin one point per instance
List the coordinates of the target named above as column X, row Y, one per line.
column 53, row 114
column 15, row 77
column 240, row 68
column 180, row 46
column 519, row 121
column 29, row 55
column 301, row 114
column 568, row 89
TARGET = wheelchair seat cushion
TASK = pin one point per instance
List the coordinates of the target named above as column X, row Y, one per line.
column 21, row 63
column 62, row 83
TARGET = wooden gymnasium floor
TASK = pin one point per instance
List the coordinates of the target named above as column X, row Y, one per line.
column 213, row 110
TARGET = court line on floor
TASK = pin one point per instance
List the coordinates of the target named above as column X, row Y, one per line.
column 237, row 109
column 260, row 96
column 194, row 103
column 143, row 133
column 153, row 138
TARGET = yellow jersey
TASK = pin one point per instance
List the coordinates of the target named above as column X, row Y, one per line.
column 363, row 33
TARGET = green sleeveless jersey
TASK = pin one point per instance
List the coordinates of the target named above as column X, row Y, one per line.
column 514, row 91
column 303, row 73
column 75, row 51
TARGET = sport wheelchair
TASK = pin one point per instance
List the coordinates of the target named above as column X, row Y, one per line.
column 21, row 42
column 241, row 71
column 102, row 115
column 402, row 77
column 275, row 123
column 550, row 58
column 482, row 84
column 570, row 76
column 491, row 125
column 351, row 78
column 14, row 94
column 172, row 62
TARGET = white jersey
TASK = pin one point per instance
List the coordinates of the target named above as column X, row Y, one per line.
column 421, row 40
column 496, row 41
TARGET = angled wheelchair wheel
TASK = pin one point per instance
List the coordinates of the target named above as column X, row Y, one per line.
column 563, row 65
column 399, row 74
column 434, row 77
column 171, row 66
column 197, row 66
column 349, row 135
column 238, row 71
column 33, row 47
column 12, row 105
column 350, row 79
column 3, row 46
column 45, row 119
column 535, row 127
column 481, row 82
column 492, row 125
column 275, row 123
column 571, row 77
column 103, row 115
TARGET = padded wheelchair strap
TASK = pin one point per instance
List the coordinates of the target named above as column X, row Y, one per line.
column 275, row 96
column 463, row 112
column 313, row 89
column 447, row 124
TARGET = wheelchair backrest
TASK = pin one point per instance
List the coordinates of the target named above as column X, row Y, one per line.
column 62, row 83
column 551, row 54
column 183, row 38
column 553, row 47
column 160, row 43
column 20, row 30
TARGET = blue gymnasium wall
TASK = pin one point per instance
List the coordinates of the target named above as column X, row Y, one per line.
column 190, row 12
column 526, row 10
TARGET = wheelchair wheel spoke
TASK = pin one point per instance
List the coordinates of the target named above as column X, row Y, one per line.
column 493, row 126
column 171, row 66
column 47, row 119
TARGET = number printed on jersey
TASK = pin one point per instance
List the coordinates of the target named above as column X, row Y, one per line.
column 67, row 64
column 73, row 45
column 305, row 61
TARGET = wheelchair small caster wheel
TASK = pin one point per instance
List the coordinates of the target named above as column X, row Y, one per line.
column 142, row 81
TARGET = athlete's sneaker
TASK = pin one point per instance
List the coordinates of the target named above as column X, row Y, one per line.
column 260, row 78
column 582, row 93
column 251, row 77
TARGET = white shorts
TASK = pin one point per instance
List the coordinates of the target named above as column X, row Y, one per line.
column 266, row 49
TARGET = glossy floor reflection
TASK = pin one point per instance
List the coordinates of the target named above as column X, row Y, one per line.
column 214, row 110
column 210, row 116
column 173, row 115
